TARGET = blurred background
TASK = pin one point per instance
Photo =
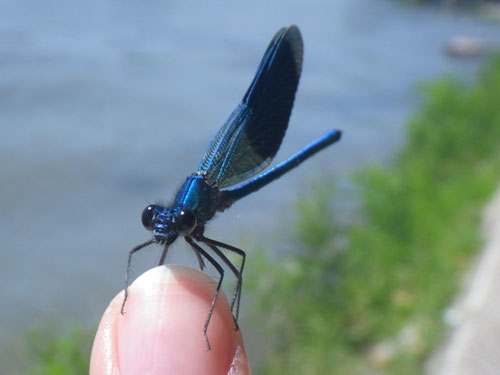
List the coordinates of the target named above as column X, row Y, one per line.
column 108, row 105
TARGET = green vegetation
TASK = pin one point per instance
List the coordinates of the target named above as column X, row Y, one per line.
column 57, row 350
column 369, row 295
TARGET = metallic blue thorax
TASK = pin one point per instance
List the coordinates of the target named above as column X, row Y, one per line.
column 197, row 196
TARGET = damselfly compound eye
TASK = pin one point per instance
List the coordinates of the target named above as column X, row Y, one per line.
column 185, row 222
column 147, row 217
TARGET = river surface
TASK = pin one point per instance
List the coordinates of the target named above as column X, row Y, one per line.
column 108, row 105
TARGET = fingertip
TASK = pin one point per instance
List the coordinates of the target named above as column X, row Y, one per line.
column 162, row 330
column 104, row 357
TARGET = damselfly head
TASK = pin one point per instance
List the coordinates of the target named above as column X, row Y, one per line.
column 166, row 223
column 161, row 221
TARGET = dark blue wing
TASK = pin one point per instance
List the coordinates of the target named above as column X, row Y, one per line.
column 252, row 135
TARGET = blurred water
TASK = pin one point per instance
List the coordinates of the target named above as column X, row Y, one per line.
column 106, row 105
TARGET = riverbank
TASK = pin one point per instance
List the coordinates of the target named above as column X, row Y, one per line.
column 474, row 319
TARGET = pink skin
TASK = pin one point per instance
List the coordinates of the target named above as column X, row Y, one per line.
column 162, row 330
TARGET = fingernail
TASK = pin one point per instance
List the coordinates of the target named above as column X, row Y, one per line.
column 239, row 365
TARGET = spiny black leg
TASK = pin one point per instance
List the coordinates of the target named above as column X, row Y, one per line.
column 221, row 273
column 241, row 253
column 233, row 269
column 135, row 249
column 200, row 259
column 230, row 265
column 163, row 255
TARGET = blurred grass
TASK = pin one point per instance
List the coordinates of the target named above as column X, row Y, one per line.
column 368, row 296
column 57, row 349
